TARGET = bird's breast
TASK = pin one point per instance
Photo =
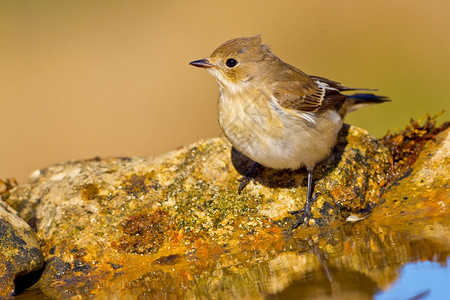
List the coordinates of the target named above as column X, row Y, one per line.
column 258, row 127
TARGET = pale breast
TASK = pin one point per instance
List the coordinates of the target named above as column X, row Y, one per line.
column 275, row 137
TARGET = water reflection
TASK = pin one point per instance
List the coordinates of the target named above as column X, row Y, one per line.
column 385, row 258
column 421, row 280
column 353, row 261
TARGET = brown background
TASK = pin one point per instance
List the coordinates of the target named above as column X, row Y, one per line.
column 80, row 79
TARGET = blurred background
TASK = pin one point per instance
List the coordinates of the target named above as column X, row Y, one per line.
column 80, row 79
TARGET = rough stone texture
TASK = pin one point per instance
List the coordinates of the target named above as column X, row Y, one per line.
column 175, row 225
column 20, row 253
column 98, row 219
column 425, row 186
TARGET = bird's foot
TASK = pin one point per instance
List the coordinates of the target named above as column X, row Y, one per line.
column 253, row 173
column 304, row 215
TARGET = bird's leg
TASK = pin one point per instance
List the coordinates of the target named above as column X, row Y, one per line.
column 316, row 251
column 253, row 173
column 306, row 210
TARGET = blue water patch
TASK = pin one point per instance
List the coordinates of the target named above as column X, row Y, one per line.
column 420, row 280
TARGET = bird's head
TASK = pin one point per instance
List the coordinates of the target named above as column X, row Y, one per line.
column 237, row 61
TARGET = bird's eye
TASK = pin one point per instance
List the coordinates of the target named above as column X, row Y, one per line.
column 231, row 62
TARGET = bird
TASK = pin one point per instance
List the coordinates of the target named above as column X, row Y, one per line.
column 275, row 114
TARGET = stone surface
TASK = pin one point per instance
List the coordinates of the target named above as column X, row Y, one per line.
column 423, row 187
column 175, row 225
column 20, row 253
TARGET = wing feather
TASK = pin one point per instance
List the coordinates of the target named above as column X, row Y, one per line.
column 307, row 95
column 298, row 91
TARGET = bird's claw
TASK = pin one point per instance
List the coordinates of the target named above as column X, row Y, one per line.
column 304, row 215
column 243, row 181
column 296, row 212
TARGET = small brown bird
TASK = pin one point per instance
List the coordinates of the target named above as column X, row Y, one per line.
column 274, row 113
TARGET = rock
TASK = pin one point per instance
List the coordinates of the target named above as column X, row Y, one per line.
column 175, row 225
column 423, row 189
column 20, row 253
column 99, row 219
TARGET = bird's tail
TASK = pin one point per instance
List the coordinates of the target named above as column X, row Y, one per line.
column 355, row 101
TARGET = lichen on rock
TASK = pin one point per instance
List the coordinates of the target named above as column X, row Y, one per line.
column 176, row 225
column 20, row 253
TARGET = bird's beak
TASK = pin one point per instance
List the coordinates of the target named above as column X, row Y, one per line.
column 201, row 63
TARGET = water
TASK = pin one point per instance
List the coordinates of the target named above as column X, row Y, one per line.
column 382, row 259
column 420, row 280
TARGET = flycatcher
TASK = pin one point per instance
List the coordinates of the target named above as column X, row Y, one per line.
column 274, row 113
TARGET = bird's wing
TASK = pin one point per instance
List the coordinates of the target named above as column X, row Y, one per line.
column 338, row 85
column 298, row 91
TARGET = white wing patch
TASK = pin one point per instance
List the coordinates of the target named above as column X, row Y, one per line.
column 308, row 116
column 316, row 99
column 323, row 89
column 324, row 86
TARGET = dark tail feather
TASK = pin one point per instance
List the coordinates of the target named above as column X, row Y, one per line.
column 367, row 98
column 355, row 101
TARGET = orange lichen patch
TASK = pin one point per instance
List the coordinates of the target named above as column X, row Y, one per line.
column 6, row 279
column 206, row 254
column 406, row 145
column 144, row 233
